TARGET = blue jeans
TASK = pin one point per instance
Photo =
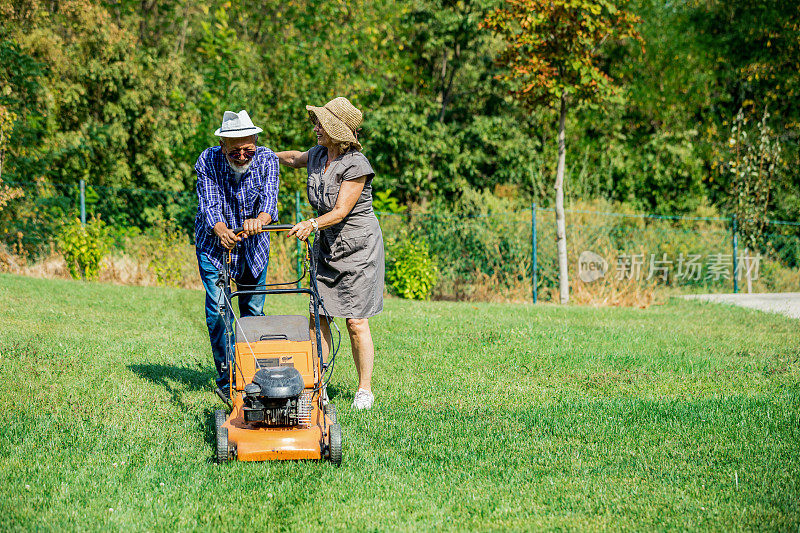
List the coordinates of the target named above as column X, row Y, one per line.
column 248, row 306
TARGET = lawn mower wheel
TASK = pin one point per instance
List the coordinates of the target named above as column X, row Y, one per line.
column 330, row 410
column 222, row 436
column 335, row 431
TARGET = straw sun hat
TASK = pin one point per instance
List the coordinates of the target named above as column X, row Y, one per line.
column 339, row 118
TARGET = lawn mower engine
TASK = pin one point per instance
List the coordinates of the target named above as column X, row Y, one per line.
column 276, row 398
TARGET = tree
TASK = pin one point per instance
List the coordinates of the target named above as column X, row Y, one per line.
column 23, row 112
column 755, row 48
column 459, row 129
column 7, row 119
column 552, row 56
column 754, row 166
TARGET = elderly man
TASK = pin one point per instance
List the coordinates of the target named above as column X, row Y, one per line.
column 237, row 186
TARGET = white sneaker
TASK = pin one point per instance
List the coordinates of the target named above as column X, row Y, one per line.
column 363, row 399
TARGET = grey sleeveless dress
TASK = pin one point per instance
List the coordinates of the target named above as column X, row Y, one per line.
column 350, row 254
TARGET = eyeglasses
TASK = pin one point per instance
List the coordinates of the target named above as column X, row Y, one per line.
column 246, row 153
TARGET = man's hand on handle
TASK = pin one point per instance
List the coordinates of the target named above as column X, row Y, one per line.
column 251, row 226
column 227, row 238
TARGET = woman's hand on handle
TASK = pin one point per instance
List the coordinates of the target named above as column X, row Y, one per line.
column 302, row 230
column 349, row 193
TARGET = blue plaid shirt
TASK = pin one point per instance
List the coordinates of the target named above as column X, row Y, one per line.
column 220, row 198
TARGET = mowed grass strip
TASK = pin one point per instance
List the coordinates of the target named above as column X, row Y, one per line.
column 488, row 417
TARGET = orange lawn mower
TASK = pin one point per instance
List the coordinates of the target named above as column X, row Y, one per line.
column 278, row 378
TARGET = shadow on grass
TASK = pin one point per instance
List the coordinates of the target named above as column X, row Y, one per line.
column 333, row 392
column 209, row 426
column 167, row 376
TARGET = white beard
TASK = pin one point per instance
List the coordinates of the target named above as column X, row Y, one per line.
column 239, row 170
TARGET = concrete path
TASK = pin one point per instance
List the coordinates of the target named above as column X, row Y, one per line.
column 785, row 303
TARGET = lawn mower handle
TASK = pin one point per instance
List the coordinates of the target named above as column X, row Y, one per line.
column 268, row 227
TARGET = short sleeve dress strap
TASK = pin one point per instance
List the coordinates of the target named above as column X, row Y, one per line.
column 357, row 166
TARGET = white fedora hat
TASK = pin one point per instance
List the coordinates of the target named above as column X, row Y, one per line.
column 235, row 125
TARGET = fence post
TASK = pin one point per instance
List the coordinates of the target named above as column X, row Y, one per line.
column 297, row 215
column 83, row 203
column 533, row 253
column 735, row 242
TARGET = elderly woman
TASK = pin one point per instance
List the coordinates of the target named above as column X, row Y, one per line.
column 349, row 246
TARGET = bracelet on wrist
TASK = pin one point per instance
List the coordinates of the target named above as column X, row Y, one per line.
column 314, row 224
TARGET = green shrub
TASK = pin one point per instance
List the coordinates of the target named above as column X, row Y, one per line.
column 384, row 202
column 84, row 247
column 410, row 271
column 167, row 261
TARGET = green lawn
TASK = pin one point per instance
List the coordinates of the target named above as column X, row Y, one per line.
column 488, row 417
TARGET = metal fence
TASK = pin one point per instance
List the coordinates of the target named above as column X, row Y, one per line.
column 686, row 254
column 494, row 256
column 512, row 255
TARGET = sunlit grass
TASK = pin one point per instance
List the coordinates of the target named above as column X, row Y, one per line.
column 488, row 416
